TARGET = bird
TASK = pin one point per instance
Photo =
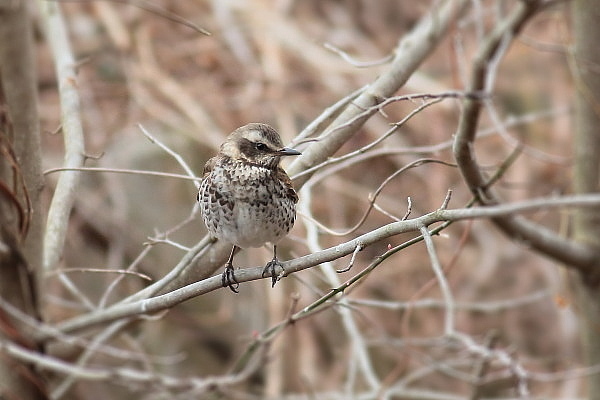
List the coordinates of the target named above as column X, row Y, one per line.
column 245, row 197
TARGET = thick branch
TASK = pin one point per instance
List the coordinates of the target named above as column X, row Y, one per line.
column 538, row 237
column 586, row 58
column 65, row 191
column 585, row 63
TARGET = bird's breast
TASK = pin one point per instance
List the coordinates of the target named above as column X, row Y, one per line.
column 246, row 205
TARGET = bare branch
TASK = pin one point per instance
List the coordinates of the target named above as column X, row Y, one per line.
column 65, row 191
column 480, row 306
column 124, row 375
column 154, row 8
column 439, row 274
column 373, row 197
column 359, row 247
column 358, row 64
column 173, row 154
column 123, row 171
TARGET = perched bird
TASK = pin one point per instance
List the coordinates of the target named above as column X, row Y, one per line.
column 245, row 197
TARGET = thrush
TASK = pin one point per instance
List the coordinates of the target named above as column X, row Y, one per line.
column 245, row 197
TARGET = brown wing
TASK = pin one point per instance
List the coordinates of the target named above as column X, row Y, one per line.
column 287, row 182
column 208, row 167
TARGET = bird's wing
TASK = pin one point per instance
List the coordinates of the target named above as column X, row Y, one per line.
column 208, row 167
column 287, row 182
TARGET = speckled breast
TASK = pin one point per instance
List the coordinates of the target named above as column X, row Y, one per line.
column 246, row 204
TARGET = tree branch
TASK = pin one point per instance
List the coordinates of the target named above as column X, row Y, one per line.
column 537, row 236
column 65, row 191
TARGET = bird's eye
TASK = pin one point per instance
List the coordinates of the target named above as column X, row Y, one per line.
column 261, row 146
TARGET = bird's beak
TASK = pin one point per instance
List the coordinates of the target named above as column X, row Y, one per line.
column 288, row 152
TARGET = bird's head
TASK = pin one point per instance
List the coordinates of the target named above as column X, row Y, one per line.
column 256, row 143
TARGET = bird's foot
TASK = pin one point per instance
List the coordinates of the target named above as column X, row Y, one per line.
column 270, row 269
column 228, row 278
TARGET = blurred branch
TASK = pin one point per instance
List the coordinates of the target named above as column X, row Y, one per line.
column 482, row 366
column 481, row 306
column 584, row 61
column 173, row 154
column 443, row 283
column 358, row 64
column 124, row 375
column 122, row 171
column 359, row 347
column 149, row 72
column 154, row 8
column 66, row 188
column 500, row 356
column 138, row 304
column 90, row 349
column 535, row 235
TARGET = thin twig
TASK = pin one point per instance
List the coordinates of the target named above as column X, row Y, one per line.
column 130, row 269
column 173, row 154
column 481, row 307
column 373, row 197
column 123, row 171
column 355, row 63
column 445, row 288
column 446, row 200
column 188, row 259
column 408, row 209
column 396, row 126
column 99, row 270
column 154, row 8
column 359, row 247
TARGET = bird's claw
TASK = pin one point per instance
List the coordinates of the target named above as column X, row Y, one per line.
column 270, row 270
column 228, row 279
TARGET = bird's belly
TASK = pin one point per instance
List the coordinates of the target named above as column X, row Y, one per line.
column 248, row 223
column 259, row 224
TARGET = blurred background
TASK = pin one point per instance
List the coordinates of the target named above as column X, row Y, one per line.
column 284, row 62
